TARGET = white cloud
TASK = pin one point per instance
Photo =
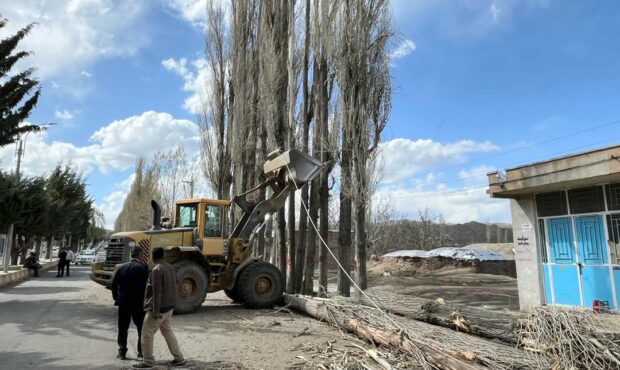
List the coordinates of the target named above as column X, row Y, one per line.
column 455, row 205
column 495, row 11
column 403, row 158
column 71, row 35
column 195, row 11
column 119, row 143
column 112, row 203
column 64, row 115
column 196, row 77
column 114, row 146
column 85, row 74
column 403, row 49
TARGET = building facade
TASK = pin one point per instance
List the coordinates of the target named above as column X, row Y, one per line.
column 566, row 226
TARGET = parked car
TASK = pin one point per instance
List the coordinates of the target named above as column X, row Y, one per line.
column 88, row 257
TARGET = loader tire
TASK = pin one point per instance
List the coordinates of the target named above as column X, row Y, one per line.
column 233, row 294
column 260, row 285
column 191, row 286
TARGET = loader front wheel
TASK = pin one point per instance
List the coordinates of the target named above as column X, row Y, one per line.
column 191, row 286
column 260, row 285
column 233, row 294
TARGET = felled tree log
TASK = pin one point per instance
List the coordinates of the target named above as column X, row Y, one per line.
column 316, row 308
column 441, row 347
column 473, row 320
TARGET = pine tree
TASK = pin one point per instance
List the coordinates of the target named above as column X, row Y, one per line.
column 19, row 92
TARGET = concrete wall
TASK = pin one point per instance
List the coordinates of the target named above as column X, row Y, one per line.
column 527, row 252
column 22, row 273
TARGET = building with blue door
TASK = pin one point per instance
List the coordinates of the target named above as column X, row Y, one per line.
column 566, row 227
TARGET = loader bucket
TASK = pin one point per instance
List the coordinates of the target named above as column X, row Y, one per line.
column 299, row 168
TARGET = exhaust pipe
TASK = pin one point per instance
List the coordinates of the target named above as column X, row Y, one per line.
column 156, row 216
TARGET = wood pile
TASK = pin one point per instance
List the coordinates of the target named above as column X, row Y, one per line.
column 425, row 345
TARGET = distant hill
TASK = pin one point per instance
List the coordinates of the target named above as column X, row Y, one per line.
column 477, row 232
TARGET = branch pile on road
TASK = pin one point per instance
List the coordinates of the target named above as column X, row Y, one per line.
column 351, row 356
column 573, row 338
column 438, row 335
column 426, row 346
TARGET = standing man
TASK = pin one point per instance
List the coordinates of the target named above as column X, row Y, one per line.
column 128, row 288
column 62, row 259
column 69, row 259
column 159, row 302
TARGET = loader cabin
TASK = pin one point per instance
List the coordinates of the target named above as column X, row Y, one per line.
column 209, row 217
column 566, row 227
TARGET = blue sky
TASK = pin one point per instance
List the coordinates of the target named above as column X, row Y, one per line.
column 478, row 85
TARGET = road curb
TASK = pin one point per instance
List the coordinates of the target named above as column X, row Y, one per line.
column 21, row 274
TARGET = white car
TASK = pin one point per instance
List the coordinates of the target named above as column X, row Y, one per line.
column 87, row 256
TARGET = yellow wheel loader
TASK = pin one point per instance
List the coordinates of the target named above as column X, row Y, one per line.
column 196, row 243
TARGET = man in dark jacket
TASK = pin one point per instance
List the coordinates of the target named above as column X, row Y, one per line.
column 159, row 301
column 62, row 259
column 31, row 263
column 128, row 288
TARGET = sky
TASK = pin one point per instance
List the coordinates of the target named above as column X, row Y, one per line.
column 478, row 86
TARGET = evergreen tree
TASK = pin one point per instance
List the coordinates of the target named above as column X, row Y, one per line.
column 19, row 92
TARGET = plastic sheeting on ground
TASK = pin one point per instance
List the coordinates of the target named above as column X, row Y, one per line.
column 457, row 253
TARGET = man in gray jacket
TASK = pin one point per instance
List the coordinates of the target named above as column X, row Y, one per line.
column 159, row 302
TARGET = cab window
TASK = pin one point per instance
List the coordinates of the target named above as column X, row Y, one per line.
column 213, row 221
column 186, row 215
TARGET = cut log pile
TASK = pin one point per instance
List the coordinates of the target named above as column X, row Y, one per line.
column 429, row 346
column 501, row 325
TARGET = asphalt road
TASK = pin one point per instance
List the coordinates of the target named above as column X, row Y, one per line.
column 54, row 323
column 70, row 323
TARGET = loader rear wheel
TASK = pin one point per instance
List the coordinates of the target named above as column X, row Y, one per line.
column 191, row 286
column 260, row 285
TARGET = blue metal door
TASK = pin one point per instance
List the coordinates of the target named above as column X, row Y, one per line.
column 563, row 261
column 593, row 260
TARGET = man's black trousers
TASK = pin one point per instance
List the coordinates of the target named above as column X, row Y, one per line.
column 61, row 268
column 125, row 315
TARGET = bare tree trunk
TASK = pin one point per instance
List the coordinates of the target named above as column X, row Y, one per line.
column 37, row 247
column 50, row 243
column 292, row 81
column 344, row 225
column 305, row 121
column 360, row 245
column 324, row 187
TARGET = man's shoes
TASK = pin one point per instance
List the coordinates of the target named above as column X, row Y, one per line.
column 140, row 355
column 177, row 362
column 141, row 365
column 121, row 356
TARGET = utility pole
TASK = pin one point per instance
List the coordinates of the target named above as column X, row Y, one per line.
column 9, row 235
column 191, row 187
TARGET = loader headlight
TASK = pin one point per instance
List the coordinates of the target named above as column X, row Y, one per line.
column 131, row 244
